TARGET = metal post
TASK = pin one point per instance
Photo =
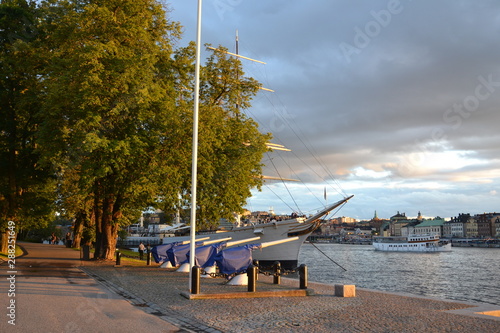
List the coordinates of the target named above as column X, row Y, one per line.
column 118, row 258
column 195, row 280
column 303, row 276
column 251, row 273
column 148, row 257
column 194, row 157
column 256, row 264
column 277, row 273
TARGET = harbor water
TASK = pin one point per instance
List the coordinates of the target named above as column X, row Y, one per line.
column 464, row 274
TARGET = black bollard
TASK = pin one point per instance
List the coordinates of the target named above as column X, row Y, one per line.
column 118, row 258
column 195, row 280
column 148, row 258
column 251, row 273
column 303, row 276
column 256, row 264
column 277, row 273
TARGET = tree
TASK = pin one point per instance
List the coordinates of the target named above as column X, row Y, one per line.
column 26, row 189
column 231, row 147
column 117, row 118
column 106, row 106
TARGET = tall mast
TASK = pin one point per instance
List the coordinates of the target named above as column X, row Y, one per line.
column 237, row 40
column 237, row 74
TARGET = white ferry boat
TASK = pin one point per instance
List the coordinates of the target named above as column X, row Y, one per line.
column 412, row 243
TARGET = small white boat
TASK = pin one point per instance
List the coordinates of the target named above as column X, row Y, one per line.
column 412, row 243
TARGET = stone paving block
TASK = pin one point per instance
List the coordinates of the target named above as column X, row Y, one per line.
column 345, row 290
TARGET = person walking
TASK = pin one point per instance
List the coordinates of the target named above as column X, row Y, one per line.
column 53, row 239
column 141, row 250
column 68, row 239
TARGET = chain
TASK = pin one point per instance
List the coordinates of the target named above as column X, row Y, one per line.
column 264, row 270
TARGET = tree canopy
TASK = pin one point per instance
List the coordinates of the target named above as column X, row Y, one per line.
column 26, row 188
column 114, row 110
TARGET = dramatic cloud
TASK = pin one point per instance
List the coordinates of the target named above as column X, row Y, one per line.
column 396, row 100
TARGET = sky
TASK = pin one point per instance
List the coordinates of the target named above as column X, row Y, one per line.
column 394, row 102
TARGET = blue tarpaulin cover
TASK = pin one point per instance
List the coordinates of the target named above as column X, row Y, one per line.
column 178, row 254
column 205, row 255
column 160, row 252
column 236, row 259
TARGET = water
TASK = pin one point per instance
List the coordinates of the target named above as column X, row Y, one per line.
column 464, row 274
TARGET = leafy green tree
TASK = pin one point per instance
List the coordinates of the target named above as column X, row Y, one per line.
column 231, row 147
column 117, row 119
column 107, row 105
column 26, row 189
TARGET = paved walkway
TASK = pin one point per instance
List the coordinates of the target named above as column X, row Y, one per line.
column 51, row 294
column 53, row 301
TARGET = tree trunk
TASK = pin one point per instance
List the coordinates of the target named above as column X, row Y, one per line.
column 77, row 231
column 106, row 232
column 4, row 241
column 97, row 213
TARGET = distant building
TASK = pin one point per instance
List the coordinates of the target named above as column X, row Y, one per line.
column 455, row 227
column 486, row 224
column 385, row 229
column 376, row 223
column 432, row 226
column 398, row 221
column 470, row 228
column 344, row 219
column 409, row 228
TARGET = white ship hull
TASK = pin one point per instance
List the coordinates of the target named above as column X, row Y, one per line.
column 287, row 253
column 414, row 243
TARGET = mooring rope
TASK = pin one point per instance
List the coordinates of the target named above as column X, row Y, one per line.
column 328, row 257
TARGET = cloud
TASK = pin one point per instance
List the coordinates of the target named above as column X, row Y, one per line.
column 408, row 123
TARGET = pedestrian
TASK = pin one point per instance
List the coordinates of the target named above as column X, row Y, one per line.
column 68, row 239
column 53, row 239
column 141, row 250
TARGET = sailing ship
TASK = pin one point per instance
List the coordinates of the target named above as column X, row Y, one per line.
column 286, row 253
column 292, row 231
column 412, row 243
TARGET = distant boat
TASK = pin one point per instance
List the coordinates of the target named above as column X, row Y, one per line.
column 412, row 243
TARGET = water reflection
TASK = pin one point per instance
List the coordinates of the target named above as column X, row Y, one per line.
column 466, row 274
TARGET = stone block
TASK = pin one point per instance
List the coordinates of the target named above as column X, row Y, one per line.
column 345, row 290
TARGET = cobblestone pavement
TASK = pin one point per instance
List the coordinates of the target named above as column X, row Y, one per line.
column 158, row 291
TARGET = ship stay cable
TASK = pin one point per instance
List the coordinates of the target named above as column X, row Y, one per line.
column 337, row 187
column 316, row 156
column 288, row 190
column 276, row 194
column 323, row 253
column 311, row 151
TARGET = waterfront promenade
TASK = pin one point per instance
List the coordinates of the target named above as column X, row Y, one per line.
column 152, row 295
